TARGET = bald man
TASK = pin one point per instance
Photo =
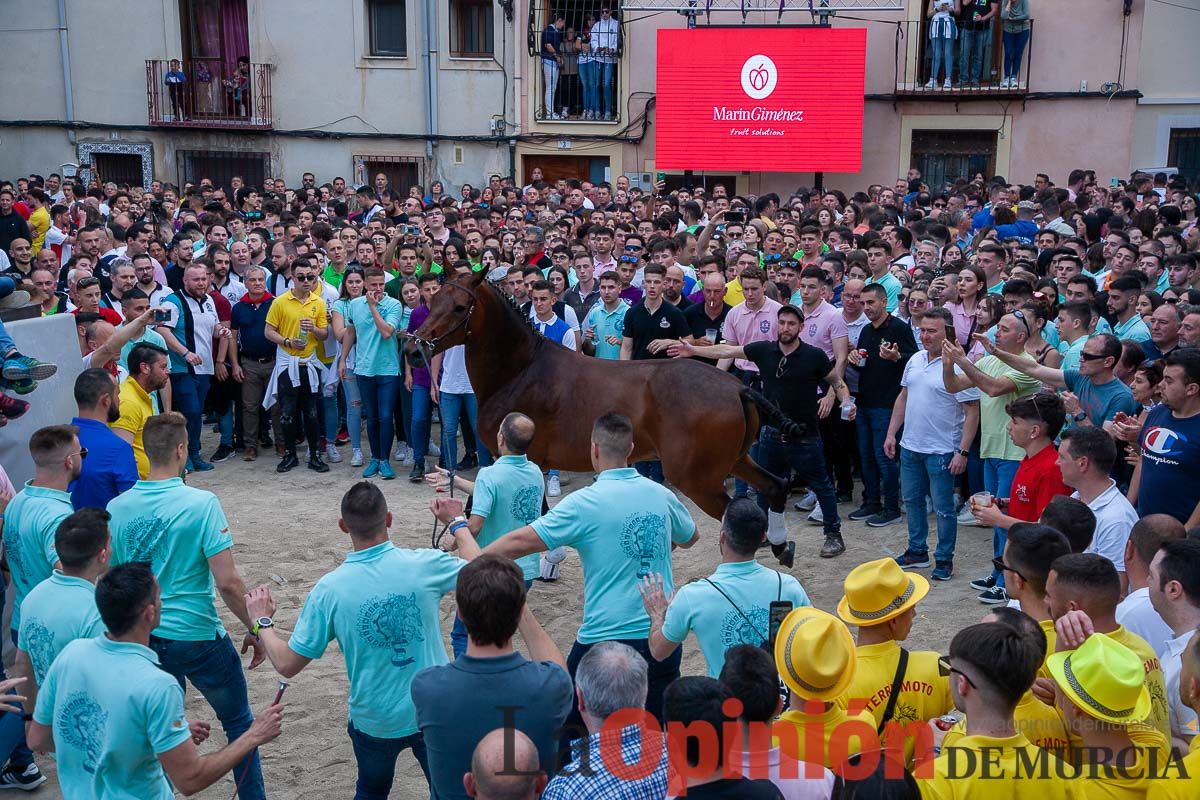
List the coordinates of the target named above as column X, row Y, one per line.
column 505, row 767
column 707, row 319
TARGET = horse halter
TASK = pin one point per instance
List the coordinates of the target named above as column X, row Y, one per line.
column 432, row 343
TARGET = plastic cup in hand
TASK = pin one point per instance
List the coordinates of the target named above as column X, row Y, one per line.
column 711, row 334
column 847, row 408
column 983, row 499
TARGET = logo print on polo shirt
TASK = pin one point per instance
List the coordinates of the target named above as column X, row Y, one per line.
column 664, row 323
column 394, row 621
column 735, row 629
column 759, row 77
column 620, row 326
column 526, row 504
column 81, row 722
column 764, row 326
column 38, row 641
column 643, row 536
column 1162, row 441
column 12, row 550
column 144, row 541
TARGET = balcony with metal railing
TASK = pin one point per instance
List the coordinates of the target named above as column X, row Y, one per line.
column 576, row 68
column 209, row 93
column 971, row 64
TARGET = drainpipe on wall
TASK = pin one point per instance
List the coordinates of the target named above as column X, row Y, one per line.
column 517, row 106
column 430, row 56
column 68, row 90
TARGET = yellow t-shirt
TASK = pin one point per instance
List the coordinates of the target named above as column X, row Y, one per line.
column 285, row 315
column 1047, row 626
column 961, row 775
column 924, row 693
column 1041, row 724
column 1175, row 786
column 733, row 293
column 1131, row 782
column 136, row 408
column 834, row 720
column 39, row 225
column 1155, row 683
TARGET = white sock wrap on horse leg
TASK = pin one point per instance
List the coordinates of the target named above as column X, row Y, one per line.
column 776, row 527
column 550, row 561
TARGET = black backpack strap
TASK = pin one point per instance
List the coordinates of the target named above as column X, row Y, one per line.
column 901, row 666
column 753, row 627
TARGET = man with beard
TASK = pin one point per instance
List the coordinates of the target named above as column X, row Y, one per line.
column 257, row 239
column 143, row 269
column 111, row 468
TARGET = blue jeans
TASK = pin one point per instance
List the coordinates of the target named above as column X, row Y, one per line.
column 998, row 474
column 453, row 405
column 922, row 474
column 589, row 76
column 377, row 761
column 214, row 668
column 943, row 57
column 7, row 345
column 608, row 102
column 419, row 425
column 187, row 397
column 805, row 457
column 12, row 727
column 971, row 45
column 379, row 405
column 354, row 408
column 458, row 631
column 1014, row 48
column 880, row 474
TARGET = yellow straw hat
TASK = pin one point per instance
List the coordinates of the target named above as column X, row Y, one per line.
column 815, row 654
column 1104, row 679
column 878, row 591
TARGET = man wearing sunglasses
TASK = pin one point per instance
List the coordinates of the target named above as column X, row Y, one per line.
column 1094, row 393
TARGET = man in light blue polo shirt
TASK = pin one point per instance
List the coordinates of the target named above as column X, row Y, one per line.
column 731, row 606
column 115, row 720
column 879, row 261
column 62, row 608
column 604, row 325
column 30, row 522
column 381, row 605
column 504, row 497
column 184, row 536
column 371, row 322
column 623, row 527
column 1123, row 295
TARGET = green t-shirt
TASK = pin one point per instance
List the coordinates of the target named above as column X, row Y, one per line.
column 381, row 605
column 176, row 529
column 993, row 420
column 113, row 712
column 332, row 276
column 58, row 611
column 373, row 354
column 739, row 616
column 508, row 495
column 622, row 526
column 892, row 286
column 30, row 521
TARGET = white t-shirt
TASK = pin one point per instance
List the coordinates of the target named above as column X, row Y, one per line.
column 233, row 290
column 1115, row 518
column 1183, row 718
column 930, row 408
column 1138, row 616
column 454, row 372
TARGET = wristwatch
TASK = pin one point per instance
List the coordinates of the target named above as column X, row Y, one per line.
column 963, row 453
column 1080, row 417
column 260, row 623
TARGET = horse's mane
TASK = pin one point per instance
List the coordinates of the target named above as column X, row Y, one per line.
column 511, row 307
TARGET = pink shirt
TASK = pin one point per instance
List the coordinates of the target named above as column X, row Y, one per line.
column 963, row 323
column 604, row 266
column 823, row 325
column 744, row 325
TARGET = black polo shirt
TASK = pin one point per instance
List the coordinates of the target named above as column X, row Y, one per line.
column 878, row 378
column 791, row 381
column 700, row 324
column 644, row 327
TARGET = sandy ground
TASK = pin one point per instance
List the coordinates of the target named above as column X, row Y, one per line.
column 285, row 527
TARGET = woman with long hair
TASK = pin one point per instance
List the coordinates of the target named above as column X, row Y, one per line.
column 1036, row 345
column 1147, row 303
column 971, row 289
column 825, row 221
column 352, row 287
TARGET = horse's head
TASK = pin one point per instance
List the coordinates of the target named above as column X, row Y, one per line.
column 450, row 310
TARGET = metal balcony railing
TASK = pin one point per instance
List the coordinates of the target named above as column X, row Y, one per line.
column 581, row 84
column 980, row 63
column 209, row 93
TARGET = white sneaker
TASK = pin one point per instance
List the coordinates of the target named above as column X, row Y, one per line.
column 402, row 453
column 808, row 502
column 553, row 486
column 434, row 450
column 356, row 460
column 816, row 515
column 932, row 84
column 947, row 84
column 331, row 452
column 965, row 517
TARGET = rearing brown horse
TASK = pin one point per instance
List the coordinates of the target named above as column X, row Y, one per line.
column 699, row 421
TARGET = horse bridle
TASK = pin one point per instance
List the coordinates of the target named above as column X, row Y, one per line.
column 431, row 344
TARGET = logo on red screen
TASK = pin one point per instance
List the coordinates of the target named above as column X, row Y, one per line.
column 759, row 77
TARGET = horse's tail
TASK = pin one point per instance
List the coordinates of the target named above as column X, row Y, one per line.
column 772, row 415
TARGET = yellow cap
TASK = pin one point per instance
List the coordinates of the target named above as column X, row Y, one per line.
column 878, row 591
column 1104, row 678
column 815, row 655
